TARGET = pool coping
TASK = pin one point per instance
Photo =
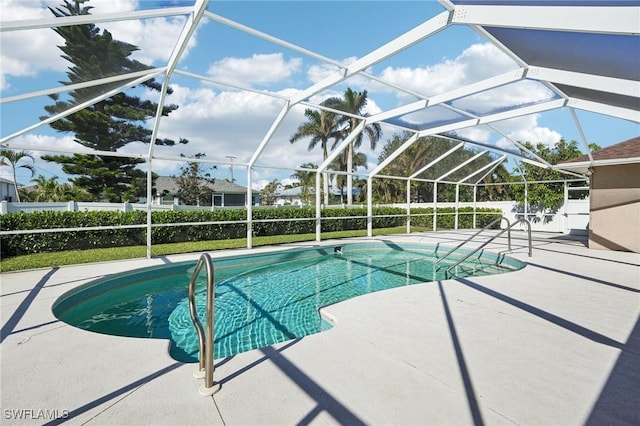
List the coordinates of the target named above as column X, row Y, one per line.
column 564, row 348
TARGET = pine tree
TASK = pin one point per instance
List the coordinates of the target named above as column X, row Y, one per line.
column 110, row 124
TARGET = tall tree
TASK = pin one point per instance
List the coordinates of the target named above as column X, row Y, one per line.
column 422, row 152
column 15, row 160
column 320, row 128
column 47, row 190
column 107, row 125
column 269, row 194
column 195, row 185
column 341, row 163
column 306, row 180
column 547, row 197
column 354, row 103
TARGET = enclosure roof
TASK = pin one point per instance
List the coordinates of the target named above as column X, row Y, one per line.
column 576, row 55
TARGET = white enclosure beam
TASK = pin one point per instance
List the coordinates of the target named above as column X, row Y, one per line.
column 593, row 19
column 588, row 81
column 437, row 160
column 458, row 167
column 32, row 24
column 181, row 44
column 338, row 149
column 497, row 163
column 470, row 89
column 187, row 31
column 486, row 84
column 585, row 143
column 610, row 110
column 448, row 127
column 519, row 145
column 274, row 126
column 490, row 165
column 398, row 112
column 519, row 112
column 272, row 39
column 78, row 107
column 402, row 148
column 229, row 84
column 84, row 85
column 402, row 42
column 81, row 150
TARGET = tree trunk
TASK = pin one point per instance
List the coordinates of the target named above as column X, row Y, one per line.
column 15, row 185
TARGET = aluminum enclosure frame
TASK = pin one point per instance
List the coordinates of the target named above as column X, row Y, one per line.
column 490, row 19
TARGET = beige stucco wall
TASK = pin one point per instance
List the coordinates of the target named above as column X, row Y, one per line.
column 614, row 218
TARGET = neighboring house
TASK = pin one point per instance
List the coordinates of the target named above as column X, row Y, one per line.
column 614, row 210
column 223, row 193
column 7, row 190
column 293, row 196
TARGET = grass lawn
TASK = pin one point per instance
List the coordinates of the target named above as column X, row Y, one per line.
column 47, row 260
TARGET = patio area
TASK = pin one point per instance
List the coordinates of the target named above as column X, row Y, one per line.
column 557, row 342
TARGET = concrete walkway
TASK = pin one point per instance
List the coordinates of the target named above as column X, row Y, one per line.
column 557, row 342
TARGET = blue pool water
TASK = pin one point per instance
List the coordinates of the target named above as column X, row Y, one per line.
column 261, row 299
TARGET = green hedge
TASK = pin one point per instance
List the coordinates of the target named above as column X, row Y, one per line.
column 228, row 224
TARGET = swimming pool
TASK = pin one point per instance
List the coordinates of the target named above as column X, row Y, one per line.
column 261, row 299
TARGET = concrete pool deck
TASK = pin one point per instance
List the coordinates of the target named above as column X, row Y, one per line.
column 557, row 342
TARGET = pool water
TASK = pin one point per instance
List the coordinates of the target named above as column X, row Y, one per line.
column 260, row 300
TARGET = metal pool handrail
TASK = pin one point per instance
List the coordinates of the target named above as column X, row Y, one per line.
column 493, row 238
column 500, row 219
column 205, row 338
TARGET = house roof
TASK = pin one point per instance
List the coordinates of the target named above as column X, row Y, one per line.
column 626, row 152
column 294, row 192
column 170, row 185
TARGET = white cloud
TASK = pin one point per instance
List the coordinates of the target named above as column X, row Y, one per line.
column 37, row 145
column 259, row 69
column 513, row 95
column 40, row 143
column 232, row 123
column 25, row 53
column 29, row 52
column 526, row 129
column 475, row 133
column 317, row 73
column 477, row 62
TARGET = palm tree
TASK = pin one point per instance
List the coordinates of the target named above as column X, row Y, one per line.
column 306, row 179
column 496, row 192
column 49, row 190
column 354, row 103
column 341, row 163
column 321, row 126
column 11, row 159
column 76, row 193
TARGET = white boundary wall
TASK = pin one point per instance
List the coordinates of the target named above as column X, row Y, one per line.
column 572, row 218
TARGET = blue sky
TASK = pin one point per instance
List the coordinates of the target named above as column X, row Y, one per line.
column 221, row 121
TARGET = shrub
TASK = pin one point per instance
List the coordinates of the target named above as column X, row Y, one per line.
column 221, row 224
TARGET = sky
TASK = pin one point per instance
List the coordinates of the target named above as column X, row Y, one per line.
column 228, row 124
